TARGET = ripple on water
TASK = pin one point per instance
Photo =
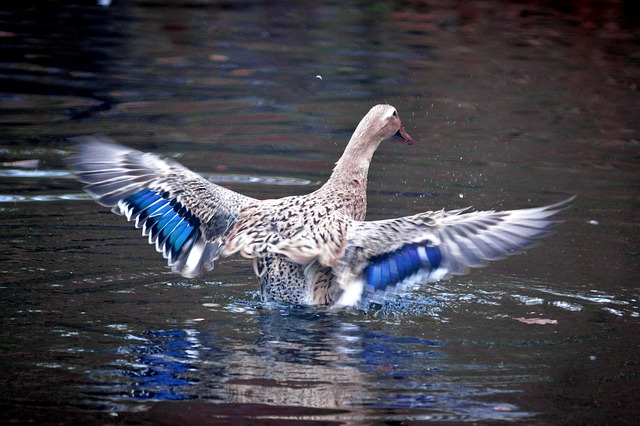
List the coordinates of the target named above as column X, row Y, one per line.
column 30, row 173
column 47, row 174
column 9, row 198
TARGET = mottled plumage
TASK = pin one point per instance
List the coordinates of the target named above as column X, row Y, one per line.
column 314, row 249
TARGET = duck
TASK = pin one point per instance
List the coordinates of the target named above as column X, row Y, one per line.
column 315, row 249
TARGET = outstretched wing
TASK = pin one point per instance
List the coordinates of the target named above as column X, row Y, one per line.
column 183, row 214
column 388, row 257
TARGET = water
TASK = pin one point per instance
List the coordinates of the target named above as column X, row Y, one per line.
column 511, row 105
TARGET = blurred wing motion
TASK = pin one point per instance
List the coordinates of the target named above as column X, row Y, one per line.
column 183, row 214
column 389, row 257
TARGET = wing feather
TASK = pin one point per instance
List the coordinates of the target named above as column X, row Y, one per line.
column 389, row 257
column 184, row 215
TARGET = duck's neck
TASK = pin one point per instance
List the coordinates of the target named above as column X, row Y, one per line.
column 352, row 168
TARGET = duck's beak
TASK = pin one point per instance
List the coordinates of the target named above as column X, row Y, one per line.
column 402, row 134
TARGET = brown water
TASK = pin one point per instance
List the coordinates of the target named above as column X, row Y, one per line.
column 511, row 104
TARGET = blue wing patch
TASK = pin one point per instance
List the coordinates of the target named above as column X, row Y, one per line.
column 170, row 225
column 390, row 269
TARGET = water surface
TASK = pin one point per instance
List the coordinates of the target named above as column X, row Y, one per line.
column 511, row 104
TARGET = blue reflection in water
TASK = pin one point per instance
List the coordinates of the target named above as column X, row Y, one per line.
column 380, row 351
column 166, row 366
column 164, row 361
column 406, row 367
column 411, row 372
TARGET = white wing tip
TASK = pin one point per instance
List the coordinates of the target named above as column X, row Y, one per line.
column 351, row 295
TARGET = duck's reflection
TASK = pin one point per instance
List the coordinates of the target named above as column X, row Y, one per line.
column 300, row 358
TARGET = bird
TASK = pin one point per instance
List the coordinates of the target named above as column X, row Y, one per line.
column 314, row 249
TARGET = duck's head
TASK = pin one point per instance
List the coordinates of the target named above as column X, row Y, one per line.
column 384, row 122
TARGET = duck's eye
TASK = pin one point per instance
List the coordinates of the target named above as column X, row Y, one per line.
column 395, row 113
